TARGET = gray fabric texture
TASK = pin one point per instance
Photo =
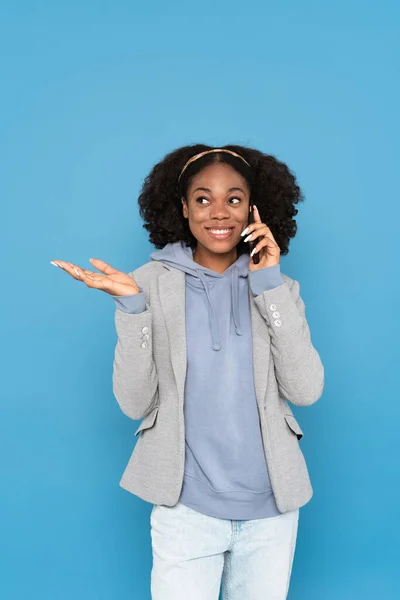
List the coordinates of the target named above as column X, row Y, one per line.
column 149, row 379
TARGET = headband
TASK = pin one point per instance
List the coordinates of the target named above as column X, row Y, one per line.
column 196, row 156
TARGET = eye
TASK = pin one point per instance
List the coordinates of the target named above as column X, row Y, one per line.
column 232, row 198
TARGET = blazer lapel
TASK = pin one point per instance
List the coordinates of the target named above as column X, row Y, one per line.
column 172, row 290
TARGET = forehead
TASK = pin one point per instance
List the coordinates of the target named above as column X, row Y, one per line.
column 218, row 175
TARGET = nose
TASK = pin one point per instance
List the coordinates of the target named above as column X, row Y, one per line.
column 219, row 211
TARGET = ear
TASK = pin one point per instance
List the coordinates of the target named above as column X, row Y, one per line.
column 184, row 207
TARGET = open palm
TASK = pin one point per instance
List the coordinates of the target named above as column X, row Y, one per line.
column 110, row 280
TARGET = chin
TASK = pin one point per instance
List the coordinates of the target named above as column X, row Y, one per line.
column 220, row 248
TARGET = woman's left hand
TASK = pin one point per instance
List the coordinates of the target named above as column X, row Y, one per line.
column 267, row 248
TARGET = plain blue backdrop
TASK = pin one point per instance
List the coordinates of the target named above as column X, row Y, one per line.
column 93, row 95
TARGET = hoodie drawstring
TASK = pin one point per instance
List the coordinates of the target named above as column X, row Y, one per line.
column 235, row 300
column 212, row 312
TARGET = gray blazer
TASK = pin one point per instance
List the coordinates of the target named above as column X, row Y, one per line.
column 149, row 378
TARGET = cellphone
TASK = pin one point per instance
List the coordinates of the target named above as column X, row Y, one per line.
column 253, row 243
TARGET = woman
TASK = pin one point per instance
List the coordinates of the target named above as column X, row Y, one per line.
column 212, row 346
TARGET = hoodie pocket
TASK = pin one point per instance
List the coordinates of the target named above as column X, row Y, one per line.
column 148, row 420
column 294, row 426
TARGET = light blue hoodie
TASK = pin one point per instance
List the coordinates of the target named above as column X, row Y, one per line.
column 226, row 473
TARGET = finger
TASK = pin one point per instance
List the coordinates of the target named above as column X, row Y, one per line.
column 73, row 270
column 92, row 273
column 103, row 266
column 56, row 263
column 64, row 265
column 95, row 282
column 101, row 281
column 264, row 242
column 91, row 279
column 261, row 230
column 249, row 228
column 257, row 218
column 256, row 230
column 269, row 234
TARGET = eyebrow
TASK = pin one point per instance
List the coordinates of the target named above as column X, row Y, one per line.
column 232, row 189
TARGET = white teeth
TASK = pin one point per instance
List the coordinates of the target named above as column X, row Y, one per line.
column 220, row 230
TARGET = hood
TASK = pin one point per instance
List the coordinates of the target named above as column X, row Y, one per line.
column 180, row 256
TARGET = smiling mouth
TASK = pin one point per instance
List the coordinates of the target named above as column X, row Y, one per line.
column 220, row 233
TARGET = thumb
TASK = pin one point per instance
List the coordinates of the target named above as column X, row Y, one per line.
column 103, row 266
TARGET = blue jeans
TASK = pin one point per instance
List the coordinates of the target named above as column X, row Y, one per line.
column 194, row 553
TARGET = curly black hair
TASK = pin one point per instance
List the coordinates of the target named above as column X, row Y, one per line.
column 273, row 190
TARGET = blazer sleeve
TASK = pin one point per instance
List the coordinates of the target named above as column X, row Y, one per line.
column 298, row 367
column 135, row 379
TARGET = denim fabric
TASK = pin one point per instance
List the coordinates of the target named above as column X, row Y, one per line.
column 196, row 556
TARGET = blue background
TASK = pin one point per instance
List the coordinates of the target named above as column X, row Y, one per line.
column 93, row 95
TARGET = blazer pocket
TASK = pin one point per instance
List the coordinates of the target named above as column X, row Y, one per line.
column 294, row 426
column 148, row 420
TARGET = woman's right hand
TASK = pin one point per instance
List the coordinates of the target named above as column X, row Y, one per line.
column 111, row 281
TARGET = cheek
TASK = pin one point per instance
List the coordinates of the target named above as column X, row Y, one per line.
column 196, row 217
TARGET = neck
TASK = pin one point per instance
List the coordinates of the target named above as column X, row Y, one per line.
column 211, row 260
